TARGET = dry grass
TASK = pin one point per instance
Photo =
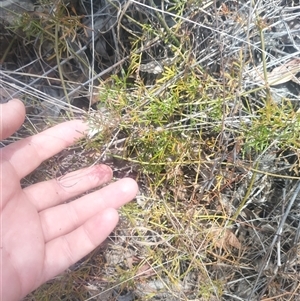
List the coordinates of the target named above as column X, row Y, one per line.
column 187, row 100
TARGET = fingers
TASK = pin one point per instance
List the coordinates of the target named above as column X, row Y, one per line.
column 12, row 116
column 67, row 217
column 67, row 187
column 27, row 154
column 66, row 250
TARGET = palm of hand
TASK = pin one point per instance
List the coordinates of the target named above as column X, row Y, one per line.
column 40, row 234
column 22, row 240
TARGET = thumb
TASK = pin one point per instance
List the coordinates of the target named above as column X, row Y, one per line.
column 12, row 116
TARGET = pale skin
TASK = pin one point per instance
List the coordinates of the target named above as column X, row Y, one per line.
column 41, row 234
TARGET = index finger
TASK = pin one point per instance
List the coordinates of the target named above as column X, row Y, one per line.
column 12, row 116
column 27, row 154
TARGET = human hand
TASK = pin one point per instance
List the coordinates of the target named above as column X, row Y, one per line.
column 41, row 235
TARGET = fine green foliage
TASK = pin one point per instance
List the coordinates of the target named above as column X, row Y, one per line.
column 274, row 123
column 184, row 106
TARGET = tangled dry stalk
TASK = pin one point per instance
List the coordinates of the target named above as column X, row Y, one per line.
column 199, row 102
